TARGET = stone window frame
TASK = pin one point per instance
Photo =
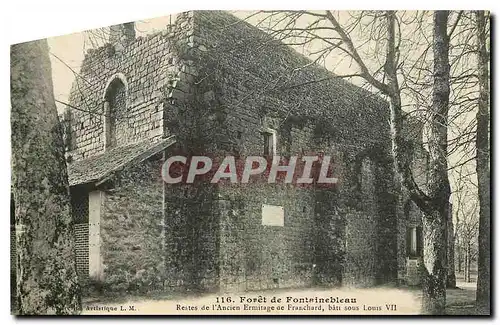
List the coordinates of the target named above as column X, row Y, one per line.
column 414, row 240
column 272, row 149
column 106, row 106
column 414, row 231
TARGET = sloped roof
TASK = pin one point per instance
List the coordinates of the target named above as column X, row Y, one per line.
column 278, row 76
column 98, row 168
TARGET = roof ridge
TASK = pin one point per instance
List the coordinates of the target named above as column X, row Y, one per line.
column 207, row 14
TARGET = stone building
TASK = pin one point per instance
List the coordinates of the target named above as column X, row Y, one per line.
column 211, row 84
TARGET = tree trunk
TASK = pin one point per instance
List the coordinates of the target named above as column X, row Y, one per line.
column 459, row 252
column 467, row 264
column 46, row 267
column 436, row 214
column 451, row 281
column 483, row 167
column 459, row 257
column 435, row 203
column 434, row 275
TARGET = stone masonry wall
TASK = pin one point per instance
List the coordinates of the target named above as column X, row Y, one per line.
column 411, row 216
column 153, row 73
column 361, row 236
column 154, row 236
column 258, row 257
column 216, row 83
column 132, row 229
column 157, row 236
column 191, row 237
column 247, row 83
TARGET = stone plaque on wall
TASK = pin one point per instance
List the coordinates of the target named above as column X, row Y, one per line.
column 273, row 215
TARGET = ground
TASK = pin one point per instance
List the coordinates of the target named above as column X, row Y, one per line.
column 461, row 301
column 372, row 301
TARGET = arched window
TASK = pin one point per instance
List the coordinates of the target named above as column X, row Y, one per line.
column 115, row 108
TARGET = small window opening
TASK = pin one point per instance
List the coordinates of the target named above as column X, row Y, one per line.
column 269, row 143
column 80, row 206
column 12, row 211
column 414, row 242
